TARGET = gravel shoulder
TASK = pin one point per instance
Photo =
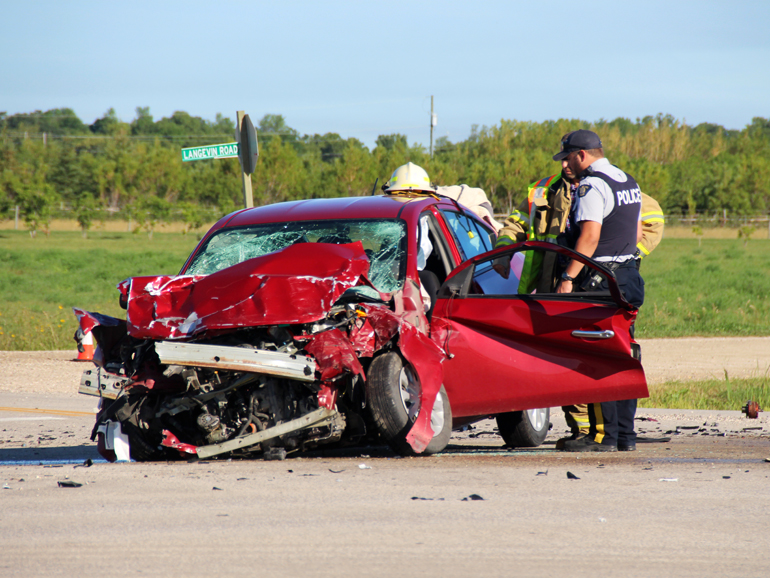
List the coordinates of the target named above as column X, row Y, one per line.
column 683, row 359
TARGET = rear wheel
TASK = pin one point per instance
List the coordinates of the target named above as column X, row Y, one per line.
column 524, row 429
column 393, row 400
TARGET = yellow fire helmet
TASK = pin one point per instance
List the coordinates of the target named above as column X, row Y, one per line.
column 409, row 177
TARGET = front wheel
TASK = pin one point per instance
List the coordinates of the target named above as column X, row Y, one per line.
column 524, row 429
column 393, row 400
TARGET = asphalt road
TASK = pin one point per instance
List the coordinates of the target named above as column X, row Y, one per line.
column 695, row 506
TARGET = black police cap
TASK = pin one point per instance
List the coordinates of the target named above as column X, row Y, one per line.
column 579, row 140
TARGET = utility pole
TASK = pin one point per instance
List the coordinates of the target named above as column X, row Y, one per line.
column 432, row 124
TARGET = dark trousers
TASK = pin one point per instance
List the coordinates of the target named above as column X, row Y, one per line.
column 612, row 422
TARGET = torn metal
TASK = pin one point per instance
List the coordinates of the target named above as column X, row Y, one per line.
column 252, row 357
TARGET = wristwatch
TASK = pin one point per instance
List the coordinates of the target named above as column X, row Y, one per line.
column 565, row 277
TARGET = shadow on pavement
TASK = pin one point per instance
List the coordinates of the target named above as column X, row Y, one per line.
column 49, row 455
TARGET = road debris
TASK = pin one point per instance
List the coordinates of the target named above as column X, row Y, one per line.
column 69, row 484
column 545, row 473
column 364, row 467
column 571, row 476
column 668, row 480
column 428, row 499
column 472, row 498
column 751, row 409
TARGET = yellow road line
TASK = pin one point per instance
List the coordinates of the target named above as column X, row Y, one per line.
column 49, row 411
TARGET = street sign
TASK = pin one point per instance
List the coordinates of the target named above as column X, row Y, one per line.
column 220, row 151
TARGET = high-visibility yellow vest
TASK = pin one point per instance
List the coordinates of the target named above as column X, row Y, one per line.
column 537, row 196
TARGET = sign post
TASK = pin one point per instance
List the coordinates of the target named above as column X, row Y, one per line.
column 246, row 150
column 248, row 197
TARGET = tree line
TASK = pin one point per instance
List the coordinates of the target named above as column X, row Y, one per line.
column 51, row 159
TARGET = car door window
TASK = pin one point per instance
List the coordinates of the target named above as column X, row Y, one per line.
column 471, row 237
column 532, row 270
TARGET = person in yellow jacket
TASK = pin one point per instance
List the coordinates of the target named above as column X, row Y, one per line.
column 543, row 216
column 652, row 227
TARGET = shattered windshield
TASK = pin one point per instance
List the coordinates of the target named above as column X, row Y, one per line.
column 384, row 242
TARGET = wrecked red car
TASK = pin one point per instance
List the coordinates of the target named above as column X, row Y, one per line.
column 350, row 320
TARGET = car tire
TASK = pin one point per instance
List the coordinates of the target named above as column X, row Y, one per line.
column 524, row 429
column 392, row 399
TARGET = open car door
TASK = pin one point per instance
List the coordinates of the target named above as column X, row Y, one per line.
column 512, row 347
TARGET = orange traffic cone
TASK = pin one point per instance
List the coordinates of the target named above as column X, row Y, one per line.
column 86, row 347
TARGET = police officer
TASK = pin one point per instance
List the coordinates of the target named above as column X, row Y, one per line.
column 607, row 212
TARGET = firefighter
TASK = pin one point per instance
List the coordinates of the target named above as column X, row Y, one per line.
column 542, row 216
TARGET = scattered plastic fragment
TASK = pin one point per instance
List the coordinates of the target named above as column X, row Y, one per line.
column 571, row 476
column 69, row 484
column 428, row 499
column 726, row 477
column 364, row 467
column 86, row 464
column 545, row 473
column 602, row 520
column 219, row 489
column 6, row 487
column 472, row 498
column 336, row 471
column 751, row 409
column 668, row 480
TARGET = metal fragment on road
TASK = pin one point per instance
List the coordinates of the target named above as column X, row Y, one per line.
column 751, row 409
column 571, row 476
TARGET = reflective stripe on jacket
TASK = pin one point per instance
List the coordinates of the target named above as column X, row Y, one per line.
column 652, row 226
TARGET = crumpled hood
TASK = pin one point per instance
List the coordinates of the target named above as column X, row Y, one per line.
column 296, row 285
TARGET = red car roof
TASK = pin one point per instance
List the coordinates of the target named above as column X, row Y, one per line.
column 382, row 207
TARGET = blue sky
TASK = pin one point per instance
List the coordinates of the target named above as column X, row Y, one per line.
column 367, row 68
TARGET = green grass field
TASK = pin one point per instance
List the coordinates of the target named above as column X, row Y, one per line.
column 721, row 288
column 41, row 279
column 715, row 394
